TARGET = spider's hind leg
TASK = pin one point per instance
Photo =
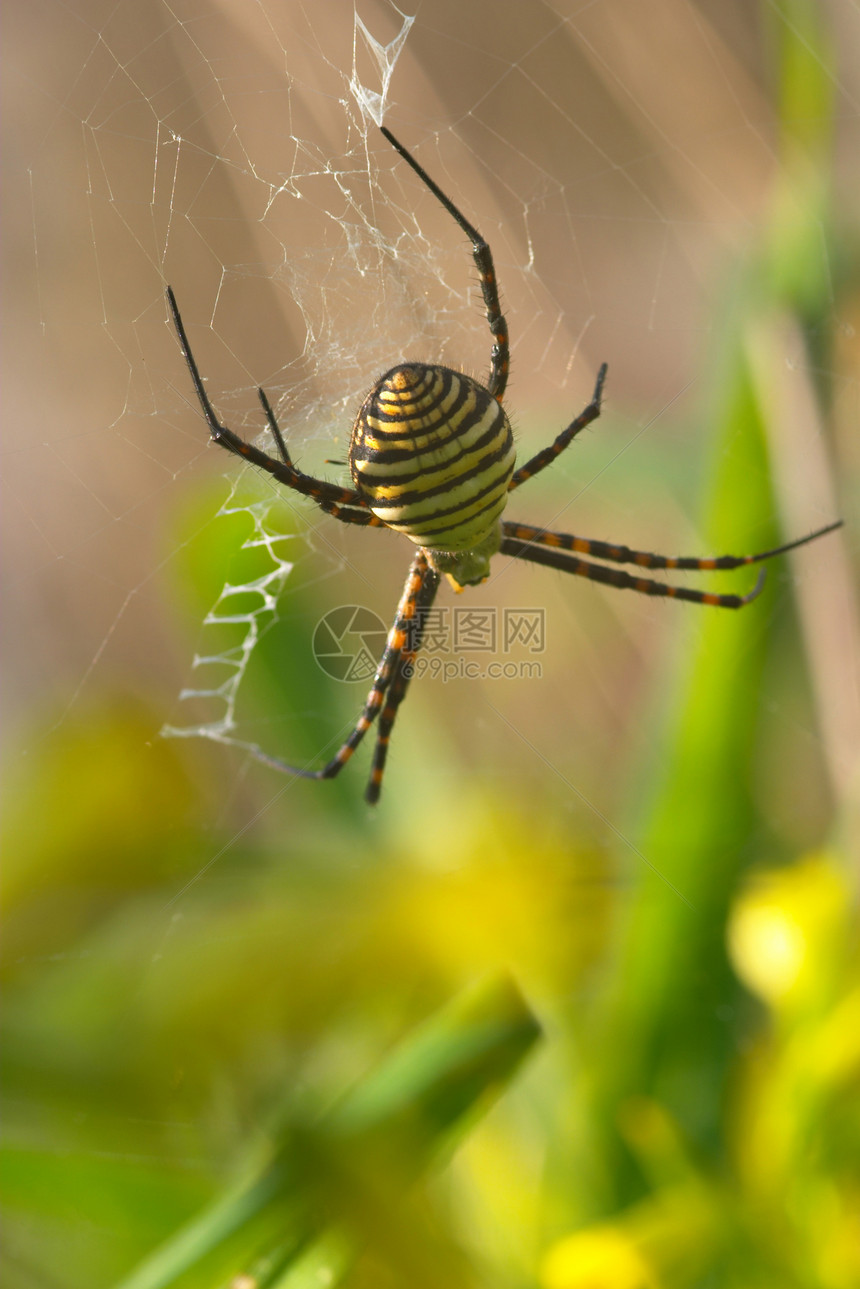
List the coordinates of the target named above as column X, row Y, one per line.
column 547, row 455
column 274, row 427
column 344, row 503
column 500, row 357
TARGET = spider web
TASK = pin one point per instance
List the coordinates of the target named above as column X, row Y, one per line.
column 232, row 151
column 265, row 590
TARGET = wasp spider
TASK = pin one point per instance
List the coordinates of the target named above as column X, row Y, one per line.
column 432, row 456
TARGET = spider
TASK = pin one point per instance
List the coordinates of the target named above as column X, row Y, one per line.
column 431, row 455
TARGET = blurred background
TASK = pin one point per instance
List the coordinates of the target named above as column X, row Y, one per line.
column 654, row 835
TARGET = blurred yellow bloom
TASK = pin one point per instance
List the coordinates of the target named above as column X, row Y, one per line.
column 599, row 1257
column 784, row 929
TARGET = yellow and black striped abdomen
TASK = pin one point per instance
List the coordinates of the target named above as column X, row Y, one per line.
column 433, row 453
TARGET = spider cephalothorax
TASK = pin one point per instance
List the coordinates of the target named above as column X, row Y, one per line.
column 431, row 455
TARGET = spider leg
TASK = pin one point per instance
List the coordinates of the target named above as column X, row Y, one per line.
column 618, row 577
column 400, row 683
column 624, row 555
column 421, row 582
column 274, row 427
column 500, row 357
column 346, row 515
column 327, row 495
column 547, row 455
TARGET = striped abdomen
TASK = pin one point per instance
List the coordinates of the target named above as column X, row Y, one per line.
column 433, row 453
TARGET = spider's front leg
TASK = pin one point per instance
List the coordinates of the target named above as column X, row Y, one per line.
column 392, row 679
column 401, row 677
column 561, row 551
column 344, row 503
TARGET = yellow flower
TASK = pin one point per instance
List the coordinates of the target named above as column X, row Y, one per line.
column 786, row 928
column 599, row 1257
